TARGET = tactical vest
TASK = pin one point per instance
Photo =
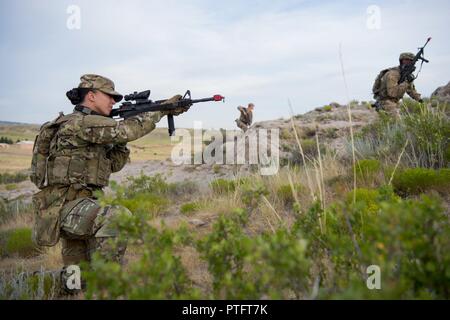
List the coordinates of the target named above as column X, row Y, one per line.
column 62, row 158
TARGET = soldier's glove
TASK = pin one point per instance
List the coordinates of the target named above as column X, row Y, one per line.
column 178, row 110
column 410, row 78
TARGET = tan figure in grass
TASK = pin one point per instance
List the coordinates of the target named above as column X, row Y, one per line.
column 246, row 118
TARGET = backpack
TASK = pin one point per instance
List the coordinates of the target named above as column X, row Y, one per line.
column 41, row 151
column 376, row 88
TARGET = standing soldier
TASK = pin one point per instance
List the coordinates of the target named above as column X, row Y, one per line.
column 246, row 118
column 73, row 157
column 387, row 91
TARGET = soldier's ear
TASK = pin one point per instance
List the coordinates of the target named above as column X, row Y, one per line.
column 90, row 96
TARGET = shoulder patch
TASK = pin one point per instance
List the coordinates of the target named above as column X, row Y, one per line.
column 94, row 121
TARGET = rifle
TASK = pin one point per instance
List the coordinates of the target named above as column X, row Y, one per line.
column 143, row 104
column 408, row 69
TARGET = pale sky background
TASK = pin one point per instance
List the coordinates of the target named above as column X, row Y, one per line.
column 264, row 52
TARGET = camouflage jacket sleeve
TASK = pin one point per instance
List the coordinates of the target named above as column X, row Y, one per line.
column 393, row 89
column 118, row 155
column 411, row 91
column 104, row 130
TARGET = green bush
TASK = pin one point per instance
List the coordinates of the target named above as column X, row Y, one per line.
column 285, row 193
column 225, row 186
column 407, row 239
column 189, row 208
column 6, row 140
column 327, row 108
column 426, row 131
column 157, row 274
column 6, row 178
column 269, row 265
column 286, row 134
column 367, row 170
column 17, row 242
column 148, row 184
column 418, row 180
column 251, row 194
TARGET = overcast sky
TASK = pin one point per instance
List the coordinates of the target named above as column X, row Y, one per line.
column 264, row 52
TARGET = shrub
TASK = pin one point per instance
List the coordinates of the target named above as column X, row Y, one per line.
column 407, row 239
column 12, row 178
column 223, row 186
column 285, row 193
column 327, row 108
column 189, row 208
column 157, row 274
column 418, row 180
column 367, row 170
column 148, row 184
column 251, row 194
column 18, row 242
column 269, row 265
column 6, row 140
column 286, row 134
column 426, row 131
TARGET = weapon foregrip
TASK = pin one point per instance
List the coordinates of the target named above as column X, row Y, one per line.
column 171, row 124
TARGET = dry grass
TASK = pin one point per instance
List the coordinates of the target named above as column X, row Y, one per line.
column 15, row 159
column 24, row 220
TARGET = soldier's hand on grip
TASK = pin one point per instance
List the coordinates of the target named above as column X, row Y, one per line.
column 179, row 110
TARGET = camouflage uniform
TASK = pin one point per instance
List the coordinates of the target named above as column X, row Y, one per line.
column 85, row 150
column 245, row 120
column 391, row 91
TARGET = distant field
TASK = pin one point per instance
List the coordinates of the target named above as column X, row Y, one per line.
column 19, row 132
column 154, row 146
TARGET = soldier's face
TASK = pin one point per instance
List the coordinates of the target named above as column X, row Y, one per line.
column 406, row 61
column 101, row 102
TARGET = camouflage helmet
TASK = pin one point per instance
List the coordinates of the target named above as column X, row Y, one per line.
column 406, row 55
column 103, row 84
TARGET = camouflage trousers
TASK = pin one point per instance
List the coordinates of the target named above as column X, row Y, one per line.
column 242, row 125
column 391, row 107
column 86, row 228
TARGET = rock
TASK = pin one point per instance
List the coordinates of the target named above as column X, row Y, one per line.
column 442, row 94
column 197, row 222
